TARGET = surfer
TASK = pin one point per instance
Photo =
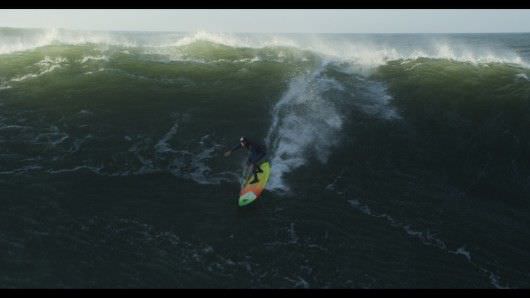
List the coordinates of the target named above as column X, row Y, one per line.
column 257, row 152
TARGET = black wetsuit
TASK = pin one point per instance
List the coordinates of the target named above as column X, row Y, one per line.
column 257, row 152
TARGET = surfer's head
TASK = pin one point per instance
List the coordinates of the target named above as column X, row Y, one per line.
column 243, row 141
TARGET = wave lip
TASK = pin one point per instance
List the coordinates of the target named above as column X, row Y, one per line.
column 362, row 52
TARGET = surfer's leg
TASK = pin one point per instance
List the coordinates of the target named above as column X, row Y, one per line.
column 255, row 178
column 256, row 162
column 255, row 169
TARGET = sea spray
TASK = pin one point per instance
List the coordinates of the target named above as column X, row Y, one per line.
column 304, row 121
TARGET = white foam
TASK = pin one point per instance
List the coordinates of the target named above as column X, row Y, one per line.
column 299, row 282
column 93, row 72
column 463, row 53
column 46, row 65
column 462, row 251
column 236, row 40
column 202, row 172
column 94, row 58
column 183, row 163
column 23, row 43
column 53, row 137
column 303, row 123
column 494, row 279
column 75, row 169
column 32, row 39
column 23, row 170
column 15, row 127
column 376, row 101
column 362, row 52
column 162, row 146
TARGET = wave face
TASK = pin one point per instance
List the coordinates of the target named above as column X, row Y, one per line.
column 117, row 138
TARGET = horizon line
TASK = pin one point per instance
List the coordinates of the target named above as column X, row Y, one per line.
column 262, row 32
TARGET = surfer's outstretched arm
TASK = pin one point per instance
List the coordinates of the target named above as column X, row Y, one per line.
column 238, row 146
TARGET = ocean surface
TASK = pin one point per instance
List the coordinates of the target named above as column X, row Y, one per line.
column 398, row 161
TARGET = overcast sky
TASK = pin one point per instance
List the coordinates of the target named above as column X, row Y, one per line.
column 274, row 20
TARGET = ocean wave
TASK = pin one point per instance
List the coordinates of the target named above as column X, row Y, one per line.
column 47, row 65
column 362, row 52
column 29, row 39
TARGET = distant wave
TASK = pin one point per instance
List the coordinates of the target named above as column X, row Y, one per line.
column 365, row 52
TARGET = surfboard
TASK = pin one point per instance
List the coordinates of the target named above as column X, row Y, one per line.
column 250, row 192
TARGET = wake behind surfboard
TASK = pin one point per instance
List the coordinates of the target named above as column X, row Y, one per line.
column 250, row 192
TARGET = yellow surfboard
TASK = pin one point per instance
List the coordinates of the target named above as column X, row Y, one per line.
column 250, row 192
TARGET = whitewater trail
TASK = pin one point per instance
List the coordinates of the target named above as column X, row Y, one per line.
column 303, row 122
column 308, row 118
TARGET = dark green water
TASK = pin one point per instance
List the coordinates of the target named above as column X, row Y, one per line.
column 398, row 161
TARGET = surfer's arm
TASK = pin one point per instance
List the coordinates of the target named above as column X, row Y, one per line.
column 238, row 146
